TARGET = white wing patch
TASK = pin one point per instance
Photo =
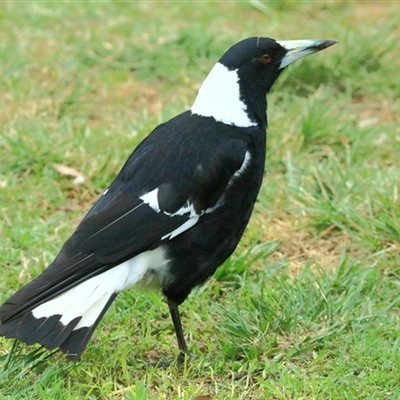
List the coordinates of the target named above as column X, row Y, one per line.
column 219, row 97
column 184, row 227
column 151, row 199
column 186, row 209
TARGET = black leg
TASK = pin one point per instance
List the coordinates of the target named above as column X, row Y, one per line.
column 176, row 319
column 184, row 351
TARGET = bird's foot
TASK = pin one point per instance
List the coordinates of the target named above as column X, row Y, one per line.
column 185, row 357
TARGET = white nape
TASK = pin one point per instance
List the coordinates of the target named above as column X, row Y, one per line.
column 219, row 97
column 88, row 299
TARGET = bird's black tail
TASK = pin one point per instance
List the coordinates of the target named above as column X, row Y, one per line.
column 66, row 320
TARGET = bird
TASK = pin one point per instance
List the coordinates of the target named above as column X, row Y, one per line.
column 173, row 214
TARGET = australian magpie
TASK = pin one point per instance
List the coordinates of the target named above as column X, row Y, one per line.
column 174, row 213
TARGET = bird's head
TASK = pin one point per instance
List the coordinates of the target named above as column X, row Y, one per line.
column 235, row 90
column 258, row 61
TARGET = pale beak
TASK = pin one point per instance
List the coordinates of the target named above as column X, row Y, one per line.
column 297, row 49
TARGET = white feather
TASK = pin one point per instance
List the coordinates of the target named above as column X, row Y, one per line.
column 88, row 299
column 245, row 163
column 184, row 227
column 151, row 199
column 187, row 208
column 219, row 97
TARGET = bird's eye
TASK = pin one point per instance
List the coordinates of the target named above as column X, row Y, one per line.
column 265, row 58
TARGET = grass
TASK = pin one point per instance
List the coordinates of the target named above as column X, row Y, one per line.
column 308, row 306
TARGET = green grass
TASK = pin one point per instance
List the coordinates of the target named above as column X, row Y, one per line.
column 308, row 306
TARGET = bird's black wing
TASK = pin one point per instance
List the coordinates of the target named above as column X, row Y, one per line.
column 159, row 194
column 147, row 210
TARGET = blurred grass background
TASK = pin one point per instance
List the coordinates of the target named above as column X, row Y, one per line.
column 307, row 307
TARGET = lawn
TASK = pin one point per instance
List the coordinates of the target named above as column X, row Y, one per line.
column 308, row 305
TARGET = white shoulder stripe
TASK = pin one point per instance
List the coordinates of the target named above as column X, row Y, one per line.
column 219, row 97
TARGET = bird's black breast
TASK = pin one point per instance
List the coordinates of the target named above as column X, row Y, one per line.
column 197, row 253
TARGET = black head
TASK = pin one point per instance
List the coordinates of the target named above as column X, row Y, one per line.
column 260, row 60
column 250, row 49
column 257, row 62
column 235, row 90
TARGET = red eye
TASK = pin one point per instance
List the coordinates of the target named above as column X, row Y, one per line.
column 265, row 58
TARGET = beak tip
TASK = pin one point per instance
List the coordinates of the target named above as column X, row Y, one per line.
column 327, row 43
